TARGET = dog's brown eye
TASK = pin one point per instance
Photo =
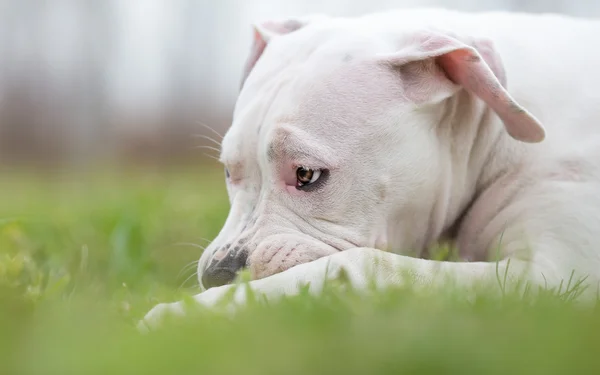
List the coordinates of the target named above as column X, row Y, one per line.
column 306, row 176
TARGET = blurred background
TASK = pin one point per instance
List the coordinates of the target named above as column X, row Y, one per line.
column 88, row 81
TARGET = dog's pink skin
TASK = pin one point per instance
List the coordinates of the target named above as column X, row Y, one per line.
column 430, row 122
column 413, row 121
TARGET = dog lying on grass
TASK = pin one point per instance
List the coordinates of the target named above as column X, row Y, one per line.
column 357, row 144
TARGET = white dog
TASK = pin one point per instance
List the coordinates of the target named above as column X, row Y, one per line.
column 357, row 142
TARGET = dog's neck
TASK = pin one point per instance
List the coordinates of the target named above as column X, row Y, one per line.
column 492, row 156
column 477, row 152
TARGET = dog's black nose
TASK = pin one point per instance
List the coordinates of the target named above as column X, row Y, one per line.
column 217, row 276
column 225, row 270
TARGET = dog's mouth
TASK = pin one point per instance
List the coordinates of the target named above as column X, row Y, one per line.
column 271, row 255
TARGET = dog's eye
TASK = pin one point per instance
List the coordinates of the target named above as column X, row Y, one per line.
column 226, row 173
column 307, row 177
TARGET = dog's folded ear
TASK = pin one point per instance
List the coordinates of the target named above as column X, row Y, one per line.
column 264, row 31
column 435, row 65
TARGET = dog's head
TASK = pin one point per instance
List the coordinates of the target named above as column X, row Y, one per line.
column 340, row 139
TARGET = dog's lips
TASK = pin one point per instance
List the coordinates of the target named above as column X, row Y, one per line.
column 279, row 252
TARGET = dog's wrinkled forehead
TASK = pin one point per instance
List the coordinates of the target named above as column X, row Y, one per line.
column 324, row 86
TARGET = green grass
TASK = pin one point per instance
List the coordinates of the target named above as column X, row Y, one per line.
column 84, row 255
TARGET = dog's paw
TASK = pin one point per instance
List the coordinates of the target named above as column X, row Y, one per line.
column 158, row 313
column 208, row 299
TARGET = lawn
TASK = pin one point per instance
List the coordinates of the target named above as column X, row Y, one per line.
column 83, row 255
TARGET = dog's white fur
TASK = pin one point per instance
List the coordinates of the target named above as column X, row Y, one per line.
column 409, row 113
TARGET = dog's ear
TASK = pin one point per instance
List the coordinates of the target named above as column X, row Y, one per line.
column 264, row 31
column 433, row 66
